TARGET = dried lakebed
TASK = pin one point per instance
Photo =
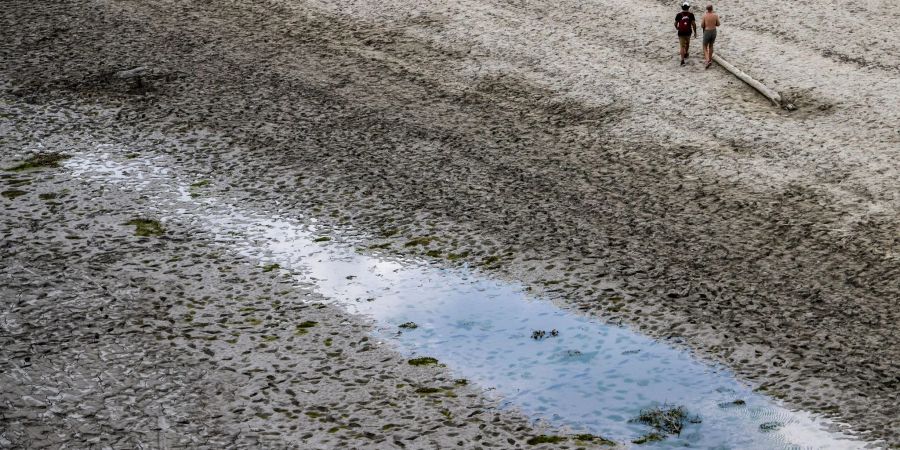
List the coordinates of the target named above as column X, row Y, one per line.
column 557, row 367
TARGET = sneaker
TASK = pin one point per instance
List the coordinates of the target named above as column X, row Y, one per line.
column 682, row 62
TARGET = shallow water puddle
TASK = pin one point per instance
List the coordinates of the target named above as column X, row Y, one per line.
column 587, row 376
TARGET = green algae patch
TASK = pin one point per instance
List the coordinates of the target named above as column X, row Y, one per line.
column 423, row 361
column 457, row 256
column 732, row 404
column 647, row 438
column 545, row 439
column 14, row 182
column 40, row 161
column 146, row 227
column 197, row 186
column 665, row 420
column 428, row 390
column 433, row 253
column 322, row 239
column 423, row 241
column 389, row 232
column 597, row 440
column 490, row 260
column 12, row 194
column 408, row 325
column 270, row 267
column 303, row 328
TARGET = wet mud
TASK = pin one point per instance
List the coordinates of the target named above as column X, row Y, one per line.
column 765, row 241
column 117, row 339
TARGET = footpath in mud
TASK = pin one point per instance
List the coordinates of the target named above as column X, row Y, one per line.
column 772, row 250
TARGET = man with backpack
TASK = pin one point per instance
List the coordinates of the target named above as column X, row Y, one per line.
column 685, row 23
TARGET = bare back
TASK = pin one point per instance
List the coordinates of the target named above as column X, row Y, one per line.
column 709, row 21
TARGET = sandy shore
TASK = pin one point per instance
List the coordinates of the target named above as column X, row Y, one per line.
column 545, row 142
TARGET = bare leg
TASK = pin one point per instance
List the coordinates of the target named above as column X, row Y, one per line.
column 706, row 55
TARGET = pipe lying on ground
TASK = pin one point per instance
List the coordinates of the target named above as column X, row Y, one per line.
column 775, row 97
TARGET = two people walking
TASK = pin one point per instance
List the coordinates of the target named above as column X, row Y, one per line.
column 686, row 24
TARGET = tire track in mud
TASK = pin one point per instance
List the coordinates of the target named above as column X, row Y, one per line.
column 360, row 122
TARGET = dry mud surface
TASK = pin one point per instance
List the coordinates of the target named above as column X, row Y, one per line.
column 556, row 143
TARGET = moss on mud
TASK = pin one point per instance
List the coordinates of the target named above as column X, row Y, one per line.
column 545, row 439
column 39, row 161
column 270, row 267
column 457, row 256
column 146, row 227
column 12, row 194
column 490, row 260
column 665, row 420
column 423, row 241
column 428, row 390
column 422, row 361
column 303, row 328
column 594, row 439
column 389, row 232
column 650, row 437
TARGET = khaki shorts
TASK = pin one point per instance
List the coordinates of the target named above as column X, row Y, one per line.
column 684, row 41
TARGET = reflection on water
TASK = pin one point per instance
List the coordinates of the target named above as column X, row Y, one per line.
column 591, row 377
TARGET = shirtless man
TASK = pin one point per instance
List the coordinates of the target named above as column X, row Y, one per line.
column 709, row 22
column 684, row 22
